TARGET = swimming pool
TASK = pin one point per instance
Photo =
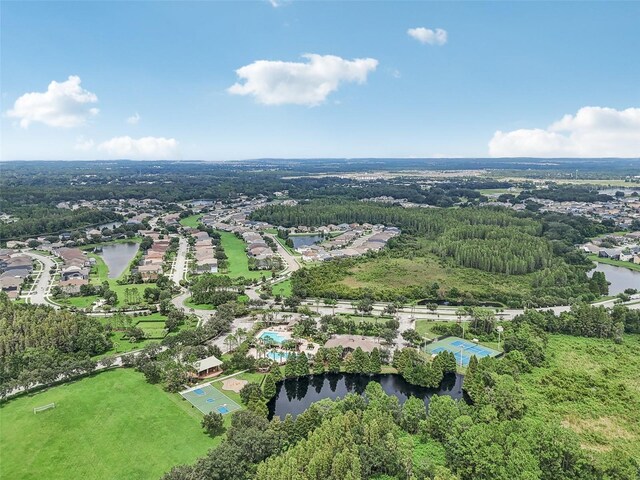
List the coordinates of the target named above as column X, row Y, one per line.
column 278, row 356
column 276, row 337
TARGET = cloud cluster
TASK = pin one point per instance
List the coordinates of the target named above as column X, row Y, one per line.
column 428, row 36
column 133, row 119
column 64, row 104
column 591, row 132
column 300, row 83
column 145, row 148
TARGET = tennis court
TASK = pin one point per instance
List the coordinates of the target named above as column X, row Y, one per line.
column 462, row 349
column 207, row 398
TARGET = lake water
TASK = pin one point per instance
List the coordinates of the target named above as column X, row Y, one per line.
column 111, row 225
column 295, row 395
column 620, row 278
column 304, row 240
column 117, row 256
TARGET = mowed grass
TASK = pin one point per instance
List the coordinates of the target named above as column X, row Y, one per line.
column 382, row 273
column 617, row 263
column 112, row 425
column 591, row 386
column 283, row 289
column 234, row 248
column 191, row 221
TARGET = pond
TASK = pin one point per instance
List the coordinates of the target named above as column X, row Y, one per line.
column 620, row 278
column 110, row 226
column 304, row 240
column 117, row 256
column 294, row 396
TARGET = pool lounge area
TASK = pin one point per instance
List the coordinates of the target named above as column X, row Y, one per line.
column 274, row 336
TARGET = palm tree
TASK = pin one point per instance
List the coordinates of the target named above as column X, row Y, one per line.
column 230, row 340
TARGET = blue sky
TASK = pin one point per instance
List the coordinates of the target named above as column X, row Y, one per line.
column 512, row 78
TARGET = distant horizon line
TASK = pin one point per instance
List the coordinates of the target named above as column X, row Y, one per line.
column 542, row 159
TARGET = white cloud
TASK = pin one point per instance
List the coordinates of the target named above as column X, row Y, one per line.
column 426, row 35
column 145, row 148
column 308, row 83
column 133, row 119
column 64, row 104
column 275, row 3
column 83, row 144
column 591, row 132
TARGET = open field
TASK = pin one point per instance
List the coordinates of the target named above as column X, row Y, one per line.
column 238, row 260
column 191, row 221
column 617, row 263
column 111, row 425
column 283, row 288
column 78, row 302
column 591, row 386
column 381, row 273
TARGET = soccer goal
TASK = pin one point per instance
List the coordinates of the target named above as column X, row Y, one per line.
column 44, row 407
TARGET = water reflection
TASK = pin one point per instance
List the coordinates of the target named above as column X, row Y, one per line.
column 619, row 278
column 117, row 257
column 294, row 395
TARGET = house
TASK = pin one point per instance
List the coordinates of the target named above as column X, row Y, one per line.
column 150, row 272
column 611, row 253
column 350, row 342
column 74, row 272
column 208, row 367
column 72, row 286
column 11, row 285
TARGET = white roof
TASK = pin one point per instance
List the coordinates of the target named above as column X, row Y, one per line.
column 207, row 363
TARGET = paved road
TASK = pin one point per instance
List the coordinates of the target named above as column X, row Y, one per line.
column 42, row 286
column 290, row 260
column 179, row 267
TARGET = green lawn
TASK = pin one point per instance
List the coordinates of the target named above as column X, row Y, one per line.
column 191, row 221
column 591, row 386
column 197, row 306
column 100, row 273
column 112, row 425
column 282, row 288
column 617, row 263
column 78, row 302
column 234, row 248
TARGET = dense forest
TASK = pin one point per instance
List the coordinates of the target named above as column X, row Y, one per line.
column 42, row 220
column 38, row 344
column 492, row 240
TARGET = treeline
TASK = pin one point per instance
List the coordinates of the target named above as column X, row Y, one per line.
column 566, row 193
column 41, row 220
column 39, row 344
column 426, row 222
column 213, row 289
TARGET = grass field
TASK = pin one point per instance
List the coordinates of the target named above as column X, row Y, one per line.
column 191, row 221
column 283, row 289
column 100, row 273
column 617, row 263
column 78, row 302
column 109, row 426
column 591, row 386
column 382, row 273
column 234, row 248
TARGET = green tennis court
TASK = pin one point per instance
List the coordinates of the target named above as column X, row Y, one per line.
column 463, row 350
column 209, row 399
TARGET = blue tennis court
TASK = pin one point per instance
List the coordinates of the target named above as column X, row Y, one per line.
column 207, row 398
column 462, row 349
